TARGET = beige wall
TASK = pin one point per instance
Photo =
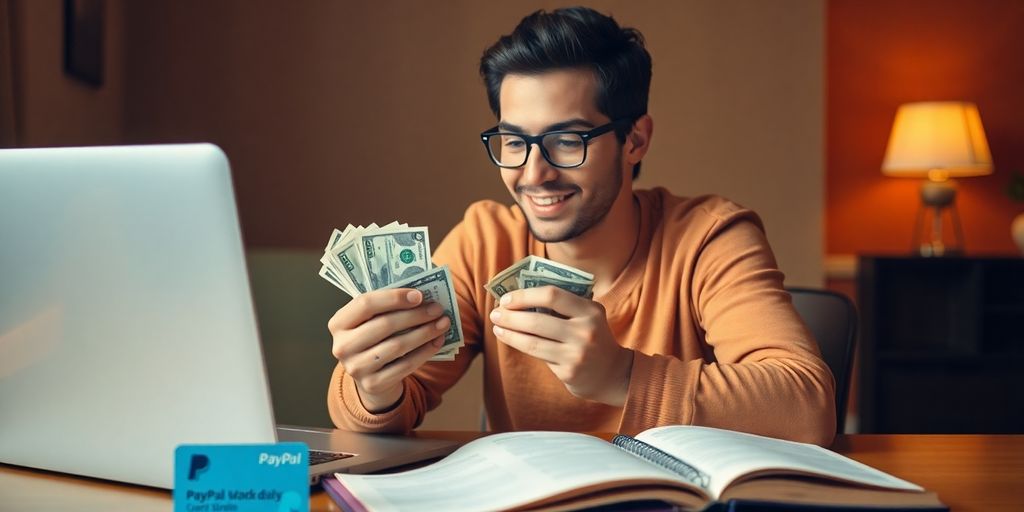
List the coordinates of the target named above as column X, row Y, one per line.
column 738, row 99
column 356, row 112
column 337, row 112
column 344, row 112
column 54, row 109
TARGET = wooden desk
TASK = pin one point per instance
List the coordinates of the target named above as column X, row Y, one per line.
column 969, row 472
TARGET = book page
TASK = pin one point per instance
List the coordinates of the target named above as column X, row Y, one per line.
column 503, row 471
column 727, row 456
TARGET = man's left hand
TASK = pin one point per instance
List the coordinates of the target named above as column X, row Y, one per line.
column 579, row 347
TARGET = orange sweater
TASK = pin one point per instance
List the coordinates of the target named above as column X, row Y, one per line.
column 701, row 302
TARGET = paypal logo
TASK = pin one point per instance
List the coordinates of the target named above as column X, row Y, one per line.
column 269, row 459
column 199, row 464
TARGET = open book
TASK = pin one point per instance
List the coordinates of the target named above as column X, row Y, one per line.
column 683, row 466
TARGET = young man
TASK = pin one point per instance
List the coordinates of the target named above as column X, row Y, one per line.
column 689, row 323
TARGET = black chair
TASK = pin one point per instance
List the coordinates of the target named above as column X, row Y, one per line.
column 832, row 319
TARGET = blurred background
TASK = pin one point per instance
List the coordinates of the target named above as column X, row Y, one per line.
column 338, row 112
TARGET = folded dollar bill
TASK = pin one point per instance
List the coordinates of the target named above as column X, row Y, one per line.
column 532, row 279
column 359, row 259
column 534, row 271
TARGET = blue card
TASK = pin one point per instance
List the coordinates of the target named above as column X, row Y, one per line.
column 241, row 478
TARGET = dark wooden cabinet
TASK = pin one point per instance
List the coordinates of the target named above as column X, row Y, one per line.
column 942, row 345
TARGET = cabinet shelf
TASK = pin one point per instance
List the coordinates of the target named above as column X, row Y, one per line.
column 942, row 344
column 1010, row 309
column 933, row 358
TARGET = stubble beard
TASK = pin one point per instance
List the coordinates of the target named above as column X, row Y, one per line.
column 589, row 216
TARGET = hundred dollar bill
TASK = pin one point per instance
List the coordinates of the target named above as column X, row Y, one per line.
column 336, row 275
column 530, row 279
column 348, row 259
column 343, row 257
column 352, row 268
column 445, row 355
column 329, row 264
column 565, row 271
column 436, row 286
column 336, row 237
column 394, row 254
column 331, row 277
column 507, row 280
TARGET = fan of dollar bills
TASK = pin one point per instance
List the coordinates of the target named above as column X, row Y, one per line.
column 361, row 259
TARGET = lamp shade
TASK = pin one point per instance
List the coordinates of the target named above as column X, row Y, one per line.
column 938, row 139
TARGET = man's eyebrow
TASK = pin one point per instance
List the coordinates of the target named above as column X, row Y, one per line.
column 563, row 125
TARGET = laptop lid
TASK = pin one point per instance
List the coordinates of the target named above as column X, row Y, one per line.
column 126, row 323
column 126, row 326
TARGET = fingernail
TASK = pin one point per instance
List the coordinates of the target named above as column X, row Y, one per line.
column 505, row 299
column 495, row 315
column 442, row 323
column 434, row 309
column 498, row 331
column 413, row 296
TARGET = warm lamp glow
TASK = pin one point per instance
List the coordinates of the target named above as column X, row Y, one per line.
column 939, row 140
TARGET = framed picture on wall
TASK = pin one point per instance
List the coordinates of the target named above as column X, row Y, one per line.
column 83, row 40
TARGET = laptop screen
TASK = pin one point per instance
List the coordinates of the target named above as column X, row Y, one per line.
column 126, row 324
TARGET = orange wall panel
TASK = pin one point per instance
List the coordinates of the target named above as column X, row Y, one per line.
column 882, row 53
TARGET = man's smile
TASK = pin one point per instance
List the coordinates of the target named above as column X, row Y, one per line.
column 548, row 205
column 548, row 199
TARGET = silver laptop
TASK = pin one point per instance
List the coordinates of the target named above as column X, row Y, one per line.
column 126, row 324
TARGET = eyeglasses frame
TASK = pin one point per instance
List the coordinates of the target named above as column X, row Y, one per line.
column 531, row 140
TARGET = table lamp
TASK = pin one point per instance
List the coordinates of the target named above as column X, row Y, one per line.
column 938, row 140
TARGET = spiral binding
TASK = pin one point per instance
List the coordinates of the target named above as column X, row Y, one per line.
column 650, row 453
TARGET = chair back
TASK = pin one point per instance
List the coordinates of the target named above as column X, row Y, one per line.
column 832, row 319
column 292, row 306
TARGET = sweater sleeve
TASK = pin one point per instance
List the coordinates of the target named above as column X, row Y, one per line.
column 423, row 389
column 761, row 373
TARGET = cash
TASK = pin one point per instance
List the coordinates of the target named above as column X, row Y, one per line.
column 359, row 259
column 534, row 271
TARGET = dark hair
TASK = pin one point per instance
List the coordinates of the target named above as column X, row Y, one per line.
column 576, row 37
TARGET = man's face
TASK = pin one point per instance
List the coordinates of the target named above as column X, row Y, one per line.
column 560, row 204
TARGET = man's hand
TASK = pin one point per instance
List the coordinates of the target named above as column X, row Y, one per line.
column 382, row 336
column 579, row 348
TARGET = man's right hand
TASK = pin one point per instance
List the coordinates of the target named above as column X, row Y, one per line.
column 370, row 343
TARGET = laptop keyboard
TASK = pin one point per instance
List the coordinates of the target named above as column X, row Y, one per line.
column 320, row 457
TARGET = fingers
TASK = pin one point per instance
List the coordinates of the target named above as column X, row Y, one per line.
column 405, row 365
column 383, row 336
column 551, row 297
column 381, row 367
column 383, row 313
column 371, row 304
column 531, row 345
column 381, row 354
column 538, row 324
column 381, row 327
column 376, row 374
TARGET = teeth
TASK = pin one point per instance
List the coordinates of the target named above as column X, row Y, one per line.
column 547, row 201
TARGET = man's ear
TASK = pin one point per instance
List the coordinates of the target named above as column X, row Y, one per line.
column 638, row 141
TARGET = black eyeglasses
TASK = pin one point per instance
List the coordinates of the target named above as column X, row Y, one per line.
column 564, row 149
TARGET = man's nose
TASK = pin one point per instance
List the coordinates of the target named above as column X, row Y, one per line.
column 537, row 170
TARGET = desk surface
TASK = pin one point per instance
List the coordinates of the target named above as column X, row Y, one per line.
column 969, row 472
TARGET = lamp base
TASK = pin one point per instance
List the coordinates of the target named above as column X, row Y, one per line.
column 939, row 251
column 937, row 197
